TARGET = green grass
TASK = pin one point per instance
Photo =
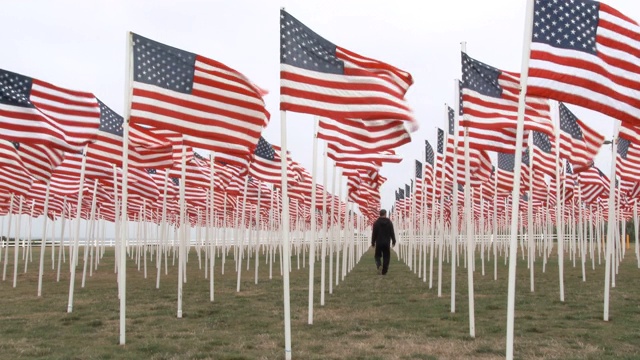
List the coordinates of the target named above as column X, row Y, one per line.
column 367, row 317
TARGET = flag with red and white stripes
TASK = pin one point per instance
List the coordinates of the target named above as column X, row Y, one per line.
column 36, row 112
column 586, row 53
column 214, row 106
column 317, row 77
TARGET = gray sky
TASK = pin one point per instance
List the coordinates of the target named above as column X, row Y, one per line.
column 81, row 45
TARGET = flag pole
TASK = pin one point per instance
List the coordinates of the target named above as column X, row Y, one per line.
column 513, row 235
column 44, row 237
column 285, row 236
column 559, row 210
column 612, row 214
column 323, row 250
column 312, row 240
column 211, row 225
column 74, row 258
column 124, row 224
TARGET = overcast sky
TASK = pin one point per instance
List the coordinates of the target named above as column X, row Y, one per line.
column 81, row 45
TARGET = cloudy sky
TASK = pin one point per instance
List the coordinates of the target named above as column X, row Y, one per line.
column 82, row 45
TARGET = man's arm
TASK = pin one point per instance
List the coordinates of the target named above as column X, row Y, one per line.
column 374, row 234
column 393, row 235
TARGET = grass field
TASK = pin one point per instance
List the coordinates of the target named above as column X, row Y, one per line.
column 367, row 317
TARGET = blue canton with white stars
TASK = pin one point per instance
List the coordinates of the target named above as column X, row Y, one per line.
column 623, row 147
column 161, row 65
column 452, row 120
column 569, row 122
column 303, row 48
column 152, row 171
column 480, row 77
column 440, row 141
column 568, row 170
column 110, row 122
column 541, row 140
column 418, row 170
column 506, row 161
column 264, row 149
column 525, row 157
column 566, row 24
column 15, row 89
column 175, row 181
column 428, row 151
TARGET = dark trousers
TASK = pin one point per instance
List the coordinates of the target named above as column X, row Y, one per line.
column 383, row 251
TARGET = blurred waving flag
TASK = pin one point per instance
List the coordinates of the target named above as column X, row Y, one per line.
column 36, row 112
column 578, row 142
column 586, row 53
column 490, row 101
column 320, row 78
column 214, row 106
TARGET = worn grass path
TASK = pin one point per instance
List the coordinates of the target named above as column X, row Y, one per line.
column 367, row 317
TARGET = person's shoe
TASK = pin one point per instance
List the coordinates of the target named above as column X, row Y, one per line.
column 379, row 270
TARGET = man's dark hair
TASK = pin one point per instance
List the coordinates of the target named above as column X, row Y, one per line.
column 383, row 212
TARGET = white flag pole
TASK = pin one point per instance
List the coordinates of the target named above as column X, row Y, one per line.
column 124, row 224
column 212, row 255
column 559, row 211
column 323, row 250
column 285, row 236
column 6, row 252
column 312, row 240
column 16, row 240
column 44, row 239
column 74, row 256
column 513, row 235
column 610, row 227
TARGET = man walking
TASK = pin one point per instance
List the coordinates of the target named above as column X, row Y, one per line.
column 382, row 236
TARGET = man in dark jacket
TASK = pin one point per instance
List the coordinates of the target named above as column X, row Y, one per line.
column 382, row 236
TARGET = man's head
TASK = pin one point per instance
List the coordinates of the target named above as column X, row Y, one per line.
column 383, row 213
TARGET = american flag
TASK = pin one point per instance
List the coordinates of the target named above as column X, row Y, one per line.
column 214, row 106
column 578, row 142
column 544, row 153
column 628, row 160
column 506, row 165
column 266, row 164
column 586, row 53
column 594, row 185
column 317, row 77
column 418, row 170
column 428, row 151
column 490, row 101
column 350, row 158
column 440, row 147
column 108, row 144
column 370, row 135
column 33, row 111
column 39, row 159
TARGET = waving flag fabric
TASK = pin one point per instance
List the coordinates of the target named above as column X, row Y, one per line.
column 490, row 100
column 33, row 111
column 578, row 142
column 214, row 106
column 317, row 77
column 586, row 53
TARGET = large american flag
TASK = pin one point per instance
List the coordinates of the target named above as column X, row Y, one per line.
column 628, row 160
column 586, row 53
column 578, row 142
column 544, row 153
column 34, row 111
column 369, row 135
column 108, row 145
column 490, row 102
column 214, row 106
column 317, row 77
column 266, row 164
